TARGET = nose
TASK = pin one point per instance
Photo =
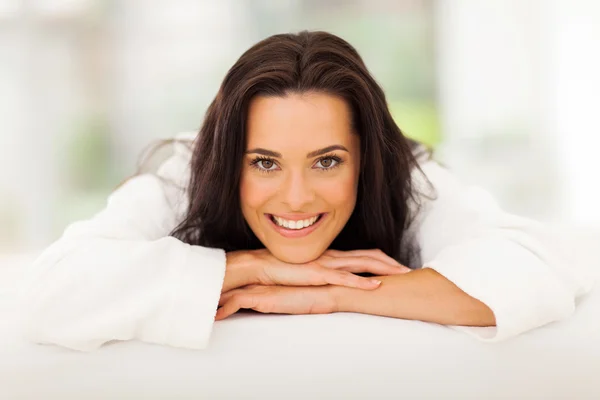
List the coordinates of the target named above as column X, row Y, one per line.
column 297, row 192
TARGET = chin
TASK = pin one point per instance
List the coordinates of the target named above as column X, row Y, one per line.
column 296, row 255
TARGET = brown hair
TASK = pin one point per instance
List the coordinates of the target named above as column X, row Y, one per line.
column 297, row 63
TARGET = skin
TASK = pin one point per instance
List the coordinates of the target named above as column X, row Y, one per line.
column 423, row 295
column 299, row 275
column 297, row 184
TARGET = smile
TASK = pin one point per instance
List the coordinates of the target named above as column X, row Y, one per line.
column 295, row 224
column 295, row 227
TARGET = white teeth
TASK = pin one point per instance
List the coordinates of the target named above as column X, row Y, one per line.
column 295, row 224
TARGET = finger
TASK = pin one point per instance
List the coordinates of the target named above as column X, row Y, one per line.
column 233, row 305
column 225, row 297
column 348, row 279
column 359, row 264
column 224, row 312
column 314, row 274
column 248, row 290
column 311, row 274
column 363, row 264
column 373, row 253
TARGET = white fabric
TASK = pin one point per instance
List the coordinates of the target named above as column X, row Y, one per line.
column 118, row 276
column 337, row 356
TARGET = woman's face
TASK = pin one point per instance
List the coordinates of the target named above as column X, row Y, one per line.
column 300, row 173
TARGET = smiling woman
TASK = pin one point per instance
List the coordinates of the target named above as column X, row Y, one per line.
column 298, row 182
column 290, row 96
column 281, row 189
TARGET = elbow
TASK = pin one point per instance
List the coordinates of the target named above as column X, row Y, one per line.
column 43, row 323
column 38, row 319
column 477, row 313
column 48, row 314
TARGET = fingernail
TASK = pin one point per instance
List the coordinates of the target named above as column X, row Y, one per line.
column 375, row 281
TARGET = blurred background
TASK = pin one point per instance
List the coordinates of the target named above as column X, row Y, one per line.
column 506, row 91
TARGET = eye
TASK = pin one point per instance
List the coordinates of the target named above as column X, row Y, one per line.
column 327, row 162
column 266, row 164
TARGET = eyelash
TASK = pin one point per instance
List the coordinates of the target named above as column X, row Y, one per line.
column 338, row 161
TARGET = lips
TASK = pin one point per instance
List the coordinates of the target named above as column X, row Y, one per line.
column 292, row 230
column 295, row 223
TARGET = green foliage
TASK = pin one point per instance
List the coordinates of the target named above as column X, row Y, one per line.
column 417, row 120
column 87, row 163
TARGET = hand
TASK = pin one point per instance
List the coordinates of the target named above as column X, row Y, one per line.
column 332, row 268
column 274, row 291
column 357, row 260
column 277, row 299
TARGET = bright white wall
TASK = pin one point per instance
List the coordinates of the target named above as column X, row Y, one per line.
column 576, row 85
column 518, row 90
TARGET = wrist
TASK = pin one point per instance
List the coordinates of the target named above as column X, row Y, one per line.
column 340, row 296
column 238, row 270
column 354, row 300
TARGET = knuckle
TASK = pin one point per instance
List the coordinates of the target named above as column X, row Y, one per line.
column 235, row 298
column 347, row 277
column 240, row 298
column 314, row 266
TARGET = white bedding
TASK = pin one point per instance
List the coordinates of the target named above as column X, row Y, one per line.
column 342, row 356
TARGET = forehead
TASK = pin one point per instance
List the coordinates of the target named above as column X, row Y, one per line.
column 298, row 122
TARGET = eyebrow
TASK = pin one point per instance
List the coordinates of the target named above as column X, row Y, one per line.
column 315, row 153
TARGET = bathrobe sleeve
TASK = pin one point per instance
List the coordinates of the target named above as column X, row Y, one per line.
column 518, row 267
column 119, row 276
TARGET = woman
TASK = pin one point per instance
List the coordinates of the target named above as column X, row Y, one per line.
column 298, row 183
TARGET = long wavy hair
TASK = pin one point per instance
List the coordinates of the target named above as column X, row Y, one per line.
column 299, row 63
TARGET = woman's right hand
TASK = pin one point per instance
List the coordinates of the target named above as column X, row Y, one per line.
column 260, row 267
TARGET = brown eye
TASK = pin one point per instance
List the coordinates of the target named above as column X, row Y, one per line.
column 266, row 164
column 326, row 163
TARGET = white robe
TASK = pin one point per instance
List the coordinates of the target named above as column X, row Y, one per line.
column 119, row 276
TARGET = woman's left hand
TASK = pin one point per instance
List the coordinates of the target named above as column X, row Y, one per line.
column 278, row 299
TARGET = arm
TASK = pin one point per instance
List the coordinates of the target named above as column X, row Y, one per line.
column 119, row 276
column 420, row 295
column 516, row 267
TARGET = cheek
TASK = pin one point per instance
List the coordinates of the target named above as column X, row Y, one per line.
column 339, row 193
column 254, row 192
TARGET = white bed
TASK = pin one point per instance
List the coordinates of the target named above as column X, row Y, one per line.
column 342, row 356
